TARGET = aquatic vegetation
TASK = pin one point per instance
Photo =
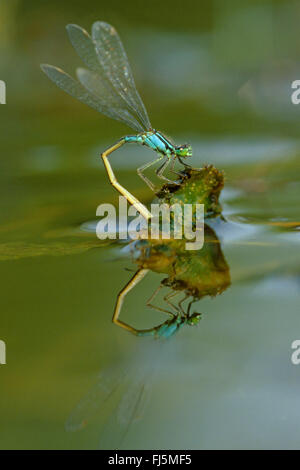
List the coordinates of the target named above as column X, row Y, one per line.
column 196, row 186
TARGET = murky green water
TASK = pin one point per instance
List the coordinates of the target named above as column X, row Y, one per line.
column 227, row 383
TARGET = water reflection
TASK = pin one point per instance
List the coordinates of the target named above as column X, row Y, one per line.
column 121, row 392
column 120, row 395
column 191, row 275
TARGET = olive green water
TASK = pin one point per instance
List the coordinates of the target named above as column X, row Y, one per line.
column 227, row 383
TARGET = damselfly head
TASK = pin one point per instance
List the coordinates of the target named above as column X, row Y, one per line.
column 183, row 150
column 193, row 319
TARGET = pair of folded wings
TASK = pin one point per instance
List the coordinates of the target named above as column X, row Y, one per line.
column 108, row 86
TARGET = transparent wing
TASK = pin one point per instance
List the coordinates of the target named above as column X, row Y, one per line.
column 119, row 397
column 106, row 103
column 114, row 62
column 134, row 399
column 101, row 89
column 96, row 81
column 105, row 388
column 85, row 47
column 130, row 409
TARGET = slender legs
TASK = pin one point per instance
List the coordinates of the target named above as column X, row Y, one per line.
column 169, row 296
column 184, row 164
column 138, row 276
column 159, row 172
column 130, row 198
column 172, row 169
column 147, row 165
column 163, row 168
column 159, row 309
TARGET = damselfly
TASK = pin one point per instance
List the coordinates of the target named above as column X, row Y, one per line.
column 108, row 86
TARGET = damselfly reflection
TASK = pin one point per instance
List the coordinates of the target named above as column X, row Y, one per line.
column 121, row 394
column 109, row 88
column 119, row 397
column 190, row 277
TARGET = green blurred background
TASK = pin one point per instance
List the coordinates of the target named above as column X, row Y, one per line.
column 214, row 73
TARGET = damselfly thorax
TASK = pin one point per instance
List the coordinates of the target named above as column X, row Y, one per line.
column 108, row 86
